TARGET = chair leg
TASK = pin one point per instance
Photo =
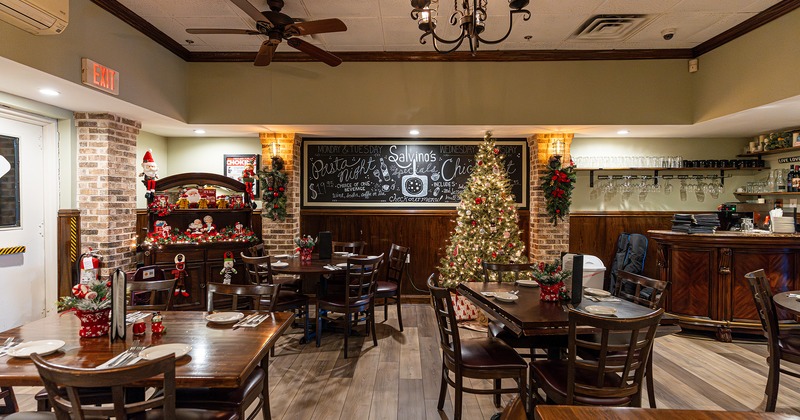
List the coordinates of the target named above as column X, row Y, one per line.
column 399, row 313
column 306, row 321
column 346, row 332
column 773, row 379
column 319, row 327
column 648, row 373
column 457, row 403
column 523, row 389
column 443, row 387
column 372, row 321
column 497, row 386
column 385, row 309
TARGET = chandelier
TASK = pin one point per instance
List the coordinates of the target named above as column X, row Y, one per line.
column 470, row 17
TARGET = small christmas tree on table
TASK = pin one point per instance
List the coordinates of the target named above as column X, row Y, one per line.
column 486, row 226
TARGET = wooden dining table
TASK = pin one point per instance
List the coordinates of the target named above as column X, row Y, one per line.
column 220, row 356
column 788, row 301
column 528, row 315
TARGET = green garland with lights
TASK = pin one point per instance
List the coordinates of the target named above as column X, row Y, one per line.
column 274, row 185
column 557, row 185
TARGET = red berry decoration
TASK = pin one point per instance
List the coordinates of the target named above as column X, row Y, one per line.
column 480, row 162
column 510, row 245
column 269, row 189
column 452, row 263
column 275, row 194
column 281, row 189
column 496, row 150
column 558, row 211
column 478, row 200
column 474, row 223
column 494, row 255
column 275, row 206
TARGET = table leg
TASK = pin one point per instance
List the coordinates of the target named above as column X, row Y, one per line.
column 265, row 410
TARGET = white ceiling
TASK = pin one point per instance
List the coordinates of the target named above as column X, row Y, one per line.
column 386, row 25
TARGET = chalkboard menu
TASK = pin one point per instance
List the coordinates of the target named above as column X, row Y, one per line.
column 400, row 173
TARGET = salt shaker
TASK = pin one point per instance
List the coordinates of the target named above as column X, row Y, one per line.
column 139, row 327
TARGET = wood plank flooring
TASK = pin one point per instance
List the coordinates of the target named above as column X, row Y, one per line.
column 399, row 379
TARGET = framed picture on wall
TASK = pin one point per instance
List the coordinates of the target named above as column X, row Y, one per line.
column 235, row 165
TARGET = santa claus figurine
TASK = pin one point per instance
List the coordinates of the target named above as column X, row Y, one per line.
column 248, row 177
column 209, row 227
column 149, row 174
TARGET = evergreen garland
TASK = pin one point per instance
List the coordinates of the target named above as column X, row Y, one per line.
column 486, row 226
column 557, row 184
column 274, row 184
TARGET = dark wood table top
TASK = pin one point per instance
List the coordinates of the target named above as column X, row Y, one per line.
column 220, row 357
column 529, row 315
column 569, row 412
column 788, row 300
column 315, row 266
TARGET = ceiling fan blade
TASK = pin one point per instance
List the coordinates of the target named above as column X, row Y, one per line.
column 264, row 56
column 224, row 31
column 316, row 27
column 249, row 9
column 314, row 51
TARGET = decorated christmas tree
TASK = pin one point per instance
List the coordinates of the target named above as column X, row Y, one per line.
column 486, row 226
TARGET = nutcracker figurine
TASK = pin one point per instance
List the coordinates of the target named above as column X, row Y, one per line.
column 149, row 175
column 227, row 268
column 181, row 276
column 248, row 177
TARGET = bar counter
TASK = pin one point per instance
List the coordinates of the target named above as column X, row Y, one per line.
column 708, row 290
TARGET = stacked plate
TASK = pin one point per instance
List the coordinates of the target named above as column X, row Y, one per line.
column 782, row 225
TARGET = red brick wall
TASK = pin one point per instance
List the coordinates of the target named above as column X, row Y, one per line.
column 107, row 171
column 546, row 241
column 279, row 235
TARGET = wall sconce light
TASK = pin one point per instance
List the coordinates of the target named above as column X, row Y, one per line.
column 274, row 148
column 277, row 161
column 557, row 148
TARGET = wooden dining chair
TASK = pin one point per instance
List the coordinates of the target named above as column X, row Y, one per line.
column 259, row 271
column 242, row 398
column 476, row 358
column 288, row 281
column 389, row 287
column 68, row 404
column 155, row 295
column 356, row 247
column 552, row 344
column 782, row 345
column 354, row 298
column 613, row 379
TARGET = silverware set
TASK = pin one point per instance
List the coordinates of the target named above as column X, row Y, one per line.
column 126, row 356
column 251, row 320
column 135, row 316
column 9, row 344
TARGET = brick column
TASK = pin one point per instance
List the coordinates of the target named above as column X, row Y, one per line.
column 107, row 187
column 546, row 241
column 279, row 235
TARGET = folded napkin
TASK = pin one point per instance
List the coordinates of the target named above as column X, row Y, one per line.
column 133, row 317
column 331, row 267
column 109, row 361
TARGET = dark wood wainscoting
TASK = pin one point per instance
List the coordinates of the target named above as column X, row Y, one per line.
column 427, row 232
column 596, row 233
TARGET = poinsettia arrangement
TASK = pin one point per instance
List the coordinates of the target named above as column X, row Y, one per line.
column 557, row 185
column 549, row 274
column 306, row 241
column 93, row 296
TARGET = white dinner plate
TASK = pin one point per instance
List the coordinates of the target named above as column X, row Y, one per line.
column 280, row 264
column 282, row 256
column 224, row 317
column 506, row 297
column 343, row 265
column 343, row 254
column 596, row 292
column 155, row 352
column 489, row 294
column 601, row 310
column 528, row 283
column 42, row 347
column 373, row 256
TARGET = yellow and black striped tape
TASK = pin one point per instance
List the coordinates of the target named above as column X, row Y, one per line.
column 12, row 250
column 73, row 239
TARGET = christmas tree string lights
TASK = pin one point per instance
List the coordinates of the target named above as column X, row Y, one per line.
column 486, row 226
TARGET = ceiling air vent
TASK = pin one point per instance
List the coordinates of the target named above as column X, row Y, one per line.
column 610, row 27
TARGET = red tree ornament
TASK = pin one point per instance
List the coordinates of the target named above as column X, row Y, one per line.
column 478, row 200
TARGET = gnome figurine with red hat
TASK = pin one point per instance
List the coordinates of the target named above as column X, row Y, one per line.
column 227, row 268
column 150, row 174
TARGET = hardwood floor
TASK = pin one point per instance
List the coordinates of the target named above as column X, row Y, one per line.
column 399, row 379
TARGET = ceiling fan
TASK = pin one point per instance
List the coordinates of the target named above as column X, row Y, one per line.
column 278, row 26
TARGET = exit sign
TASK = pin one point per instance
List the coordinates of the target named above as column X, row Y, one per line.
column 99, row 76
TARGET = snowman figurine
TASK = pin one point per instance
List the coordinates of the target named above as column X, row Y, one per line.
column 227, row 268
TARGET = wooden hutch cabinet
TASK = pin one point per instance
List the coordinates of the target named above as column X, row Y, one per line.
column 204, row 259
column 708, row 290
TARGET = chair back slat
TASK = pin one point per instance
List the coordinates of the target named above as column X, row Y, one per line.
column 257, row 250
column 507, row 272
column 57, row 377
column 396, row 263
column 356, row 247
column 619, row 368
column 449, row 338
column 147, row 295
column 361, row 274
column 641, row 290
column 765, row 306
column 258, row 270
column 255, row 291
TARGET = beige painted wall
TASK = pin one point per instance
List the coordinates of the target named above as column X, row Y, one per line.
column 150, row 75
column 200, row 154
column 589, row 199
column 587, row 92
column 753, row 70
column 158, row 145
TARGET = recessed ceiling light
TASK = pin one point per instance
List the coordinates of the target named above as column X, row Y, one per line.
column 414, row 132
column 199, row 131
column 623, row 132
column 49, row 92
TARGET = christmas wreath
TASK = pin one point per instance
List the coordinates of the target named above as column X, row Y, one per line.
column 273, row 184
column 557, row 184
